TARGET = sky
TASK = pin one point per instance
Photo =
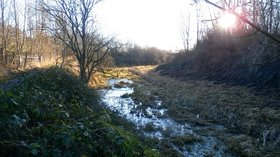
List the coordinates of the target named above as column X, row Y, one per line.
column 153, row 23
column 144, row 22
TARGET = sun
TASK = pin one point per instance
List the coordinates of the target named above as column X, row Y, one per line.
column 227, row 20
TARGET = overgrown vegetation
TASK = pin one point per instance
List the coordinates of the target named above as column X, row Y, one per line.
column 223, row 57
column 53, row 113
column 245, row 52
column 135, row 55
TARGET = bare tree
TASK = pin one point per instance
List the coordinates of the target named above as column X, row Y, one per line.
column 185, row 32
column 3, row 29
column 75, row 23
column 198, row 14
column 40, row 24
column 23, row 38
column 245, row 20
column 17, row 30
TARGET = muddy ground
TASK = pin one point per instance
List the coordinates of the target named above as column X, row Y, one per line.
column 248, row 123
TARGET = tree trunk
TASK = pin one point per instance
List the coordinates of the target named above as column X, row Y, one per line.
column 3, row 32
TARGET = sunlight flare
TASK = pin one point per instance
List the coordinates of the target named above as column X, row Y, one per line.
column 227, row 21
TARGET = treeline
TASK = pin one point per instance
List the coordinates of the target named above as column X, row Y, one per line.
column 23, row 34
column 132, row 55
column 240, row 54
column 31, row 31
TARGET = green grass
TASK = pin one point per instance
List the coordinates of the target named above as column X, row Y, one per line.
column 52, row 113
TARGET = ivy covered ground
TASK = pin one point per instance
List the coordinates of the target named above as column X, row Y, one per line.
column 51, row 113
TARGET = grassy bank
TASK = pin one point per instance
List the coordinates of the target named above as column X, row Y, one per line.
column 100, row 78
column 52, row 113
column 226, row 58
column 251, row 121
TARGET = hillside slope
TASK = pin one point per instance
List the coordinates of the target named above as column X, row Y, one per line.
column 250, row 62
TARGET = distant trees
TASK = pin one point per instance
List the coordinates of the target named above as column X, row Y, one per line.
column 74, row 25
column 4, row 36
column 23, row 36
column 255, row 17
column 131, row 55
column 51, row 29
column 63, row 29
column 185, row 32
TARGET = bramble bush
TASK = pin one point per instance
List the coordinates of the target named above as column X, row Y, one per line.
column 52, row 113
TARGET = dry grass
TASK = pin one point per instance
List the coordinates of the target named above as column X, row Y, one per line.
column 254, row 117
column 3, row 74
column 99, row 79
column 252, row 121
column 7, row 73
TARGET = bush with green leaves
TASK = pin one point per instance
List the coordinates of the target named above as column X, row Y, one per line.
column 52, row 113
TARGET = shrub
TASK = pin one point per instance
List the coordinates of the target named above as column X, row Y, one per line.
column 52, row 113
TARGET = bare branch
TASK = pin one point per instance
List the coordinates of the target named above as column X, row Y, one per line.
column 242, row 18
column 74, row 21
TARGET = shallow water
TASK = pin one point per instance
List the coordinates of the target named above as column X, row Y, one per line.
column 155, row 118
